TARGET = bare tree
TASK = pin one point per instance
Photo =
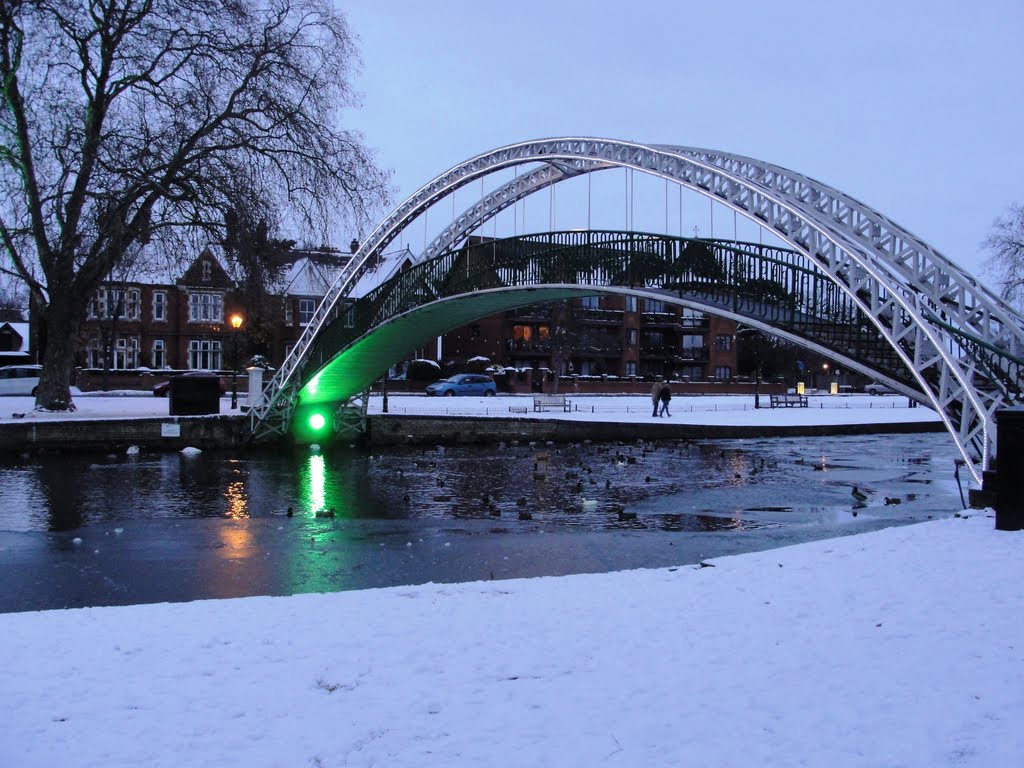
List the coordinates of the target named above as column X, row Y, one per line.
column 1005, row 243
column 126, row 122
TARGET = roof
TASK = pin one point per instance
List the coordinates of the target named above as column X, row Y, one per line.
column 22, row 330
column 389, row 264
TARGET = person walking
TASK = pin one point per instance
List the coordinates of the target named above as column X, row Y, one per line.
column 656, row 394
column 665, row 395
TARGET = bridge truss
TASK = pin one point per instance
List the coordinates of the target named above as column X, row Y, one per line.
column 959, row 343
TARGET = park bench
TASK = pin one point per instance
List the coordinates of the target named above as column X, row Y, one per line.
column 540, row 402
column 788, row 401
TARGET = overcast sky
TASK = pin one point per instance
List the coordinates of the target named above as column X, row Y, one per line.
column 911, row 107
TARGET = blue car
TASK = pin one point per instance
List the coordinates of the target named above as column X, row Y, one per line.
column 464, row 384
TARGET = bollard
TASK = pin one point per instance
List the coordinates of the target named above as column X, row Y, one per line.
column 1009, row 464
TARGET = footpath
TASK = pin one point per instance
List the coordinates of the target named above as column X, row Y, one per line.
column 113, row 422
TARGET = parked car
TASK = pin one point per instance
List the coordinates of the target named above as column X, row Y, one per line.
column 464, row 384
column 874, row 388
column 19, row 379
column 161, row 390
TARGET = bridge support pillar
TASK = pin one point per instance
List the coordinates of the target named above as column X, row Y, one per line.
column 1009, row 497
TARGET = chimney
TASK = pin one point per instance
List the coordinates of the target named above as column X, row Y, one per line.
column 354, row 245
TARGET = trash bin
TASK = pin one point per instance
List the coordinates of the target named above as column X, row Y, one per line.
column 194, row 395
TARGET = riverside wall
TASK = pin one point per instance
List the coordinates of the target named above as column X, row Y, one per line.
column 454, row 430
column 172, row 433
column 169, row 433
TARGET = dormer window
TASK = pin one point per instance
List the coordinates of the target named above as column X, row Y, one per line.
column 207, row 271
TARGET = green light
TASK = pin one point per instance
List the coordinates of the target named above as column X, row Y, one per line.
column 317, row 421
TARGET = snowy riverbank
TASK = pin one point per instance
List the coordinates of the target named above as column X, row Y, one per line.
column 900, row 647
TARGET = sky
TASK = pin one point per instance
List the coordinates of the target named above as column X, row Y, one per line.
column 910, row 107
column 906, row 652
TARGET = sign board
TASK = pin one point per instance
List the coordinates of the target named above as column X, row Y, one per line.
column 170, row 430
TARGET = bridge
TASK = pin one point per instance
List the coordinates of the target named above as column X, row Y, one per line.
column 850, row 284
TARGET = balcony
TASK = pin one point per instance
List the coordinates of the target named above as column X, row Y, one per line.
column 599, row 316
column 673, row 321
column 667, row 352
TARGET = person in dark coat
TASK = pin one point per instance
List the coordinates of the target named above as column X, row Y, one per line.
column 664, row 396
column 656, row 395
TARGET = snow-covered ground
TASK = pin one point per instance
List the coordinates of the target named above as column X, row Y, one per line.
column 901, row 647
column 723, row 409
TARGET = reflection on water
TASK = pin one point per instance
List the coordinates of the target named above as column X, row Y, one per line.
column 736, row 485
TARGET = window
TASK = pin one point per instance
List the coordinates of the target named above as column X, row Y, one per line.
column 654, row 339
column 124, row 304
column 289, row 316
column 159, row 306
column 350, row 317
column 204, row 354
column 98, row 305
column 723, row 372
column 654, row 305
column 631, row 336
column 631, row 303
column 93, row 353
column 126, row 353
column 288, row 349
column 306, row 309
column 205, row 308
column 207, row 271
column 591, row 302
column 723, row 342
column 690, row 341
column 630, row 368
column 159, row 359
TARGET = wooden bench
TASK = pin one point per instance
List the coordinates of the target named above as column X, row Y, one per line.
column 788, row 401
column 540, row 402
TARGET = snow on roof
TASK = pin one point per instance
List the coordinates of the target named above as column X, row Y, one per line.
column 22, row 329
column 306, row 277
column 388, row 265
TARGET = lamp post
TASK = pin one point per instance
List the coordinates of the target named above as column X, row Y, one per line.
column 757, row 363
column 236, row 323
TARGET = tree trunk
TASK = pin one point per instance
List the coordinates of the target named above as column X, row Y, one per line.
column 54, row 393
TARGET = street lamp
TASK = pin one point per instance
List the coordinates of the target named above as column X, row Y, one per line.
column 236, row 323
column 757, row 363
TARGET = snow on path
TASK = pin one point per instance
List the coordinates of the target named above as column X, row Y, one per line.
column 901, row 647
column 729, row 410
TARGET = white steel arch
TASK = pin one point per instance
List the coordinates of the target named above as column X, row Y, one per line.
column 922, row 303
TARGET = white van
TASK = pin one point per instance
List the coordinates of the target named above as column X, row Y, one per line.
column 19, row 379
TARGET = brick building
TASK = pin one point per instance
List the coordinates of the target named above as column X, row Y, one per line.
column 596, row 335
column 185, row 324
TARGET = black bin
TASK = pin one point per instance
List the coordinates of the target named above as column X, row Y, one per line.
column 1009, row 501
column 194, row 395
